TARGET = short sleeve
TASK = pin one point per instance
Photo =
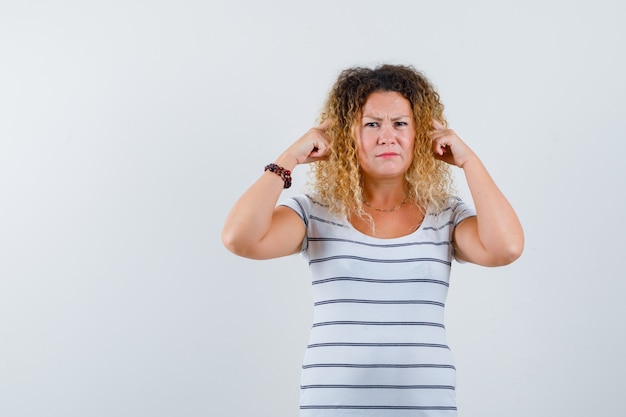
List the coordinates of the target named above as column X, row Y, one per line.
column 461, row 211
column 301, row 204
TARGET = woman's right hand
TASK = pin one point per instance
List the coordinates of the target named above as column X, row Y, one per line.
column 313, row 146
column 255, row 228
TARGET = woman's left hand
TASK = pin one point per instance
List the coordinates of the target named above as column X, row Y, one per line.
column 494, row 236
column 448, row 146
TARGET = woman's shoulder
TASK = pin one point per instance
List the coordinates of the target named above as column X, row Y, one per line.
column 310, row 207
column 457, row 209
column 450, row 203
column 453, row 207
column 304, row 203
column 302, row 199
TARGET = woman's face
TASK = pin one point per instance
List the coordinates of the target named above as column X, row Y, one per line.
column 385, row 135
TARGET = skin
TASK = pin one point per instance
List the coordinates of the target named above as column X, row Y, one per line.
column 257, row 229
column 385, row 137
column 495, row 236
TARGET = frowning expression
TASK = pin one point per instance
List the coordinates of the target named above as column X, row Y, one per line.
column 385, row 135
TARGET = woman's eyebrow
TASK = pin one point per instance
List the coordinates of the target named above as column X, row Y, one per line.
column 378, row 118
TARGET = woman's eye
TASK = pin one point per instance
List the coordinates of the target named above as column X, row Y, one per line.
column 371, row 124
column 401, row 123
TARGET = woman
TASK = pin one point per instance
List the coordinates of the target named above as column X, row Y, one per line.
column 379, row 231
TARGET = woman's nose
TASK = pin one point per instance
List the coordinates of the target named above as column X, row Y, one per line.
column 386, row 135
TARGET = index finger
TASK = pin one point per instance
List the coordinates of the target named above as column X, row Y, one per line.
column 437, row 125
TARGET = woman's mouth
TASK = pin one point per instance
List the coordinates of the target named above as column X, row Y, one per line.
column 387, row 155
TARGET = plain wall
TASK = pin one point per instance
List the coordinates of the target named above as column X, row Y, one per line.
column 129, row 128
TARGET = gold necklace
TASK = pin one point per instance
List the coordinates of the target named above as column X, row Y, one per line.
column 387, row 210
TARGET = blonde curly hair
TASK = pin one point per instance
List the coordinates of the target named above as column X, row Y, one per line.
column 337, row 181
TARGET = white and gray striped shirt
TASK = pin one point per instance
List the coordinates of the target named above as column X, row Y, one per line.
column 378, row 345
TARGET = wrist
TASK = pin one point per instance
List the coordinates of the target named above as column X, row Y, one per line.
column 286, row 161
column 469, row 161
column 283, row 173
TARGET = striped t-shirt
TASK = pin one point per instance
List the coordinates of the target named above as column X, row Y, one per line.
column 378, row 345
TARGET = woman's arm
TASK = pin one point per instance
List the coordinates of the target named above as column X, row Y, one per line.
column 255, row 228
column 495, row 236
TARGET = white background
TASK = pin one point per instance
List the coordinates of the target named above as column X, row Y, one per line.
column 129, row 128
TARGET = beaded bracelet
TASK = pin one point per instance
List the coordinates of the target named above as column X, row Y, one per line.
column 285, row 174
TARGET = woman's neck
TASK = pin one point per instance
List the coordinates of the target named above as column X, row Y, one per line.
column 384, row 196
